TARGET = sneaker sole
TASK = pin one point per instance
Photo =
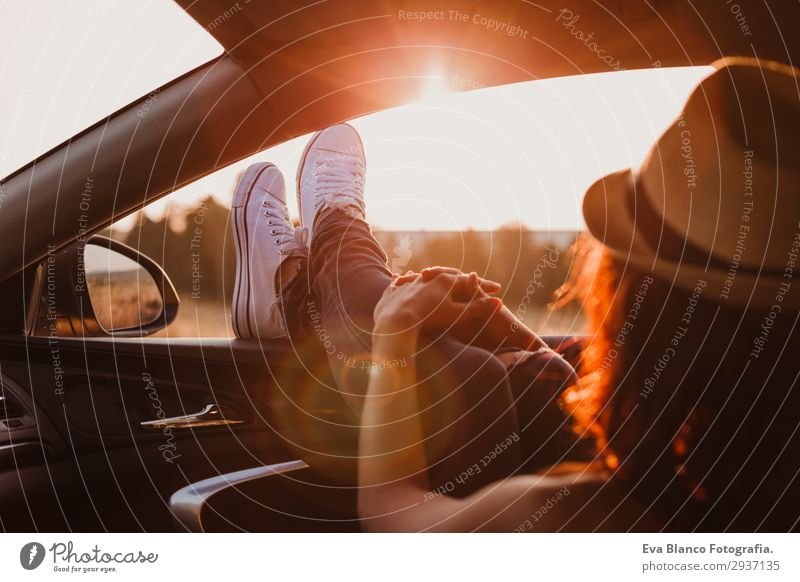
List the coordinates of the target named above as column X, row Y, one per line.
column 241, row 199
column 302, row 165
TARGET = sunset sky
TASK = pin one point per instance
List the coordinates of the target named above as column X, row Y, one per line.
column 522, row 153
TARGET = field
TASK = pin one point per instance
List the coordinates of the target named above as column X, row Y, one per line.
column 123, row 299
column 197, row 254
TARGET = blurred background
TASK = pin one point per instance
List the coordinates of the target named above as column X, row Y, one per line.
column 530, row 265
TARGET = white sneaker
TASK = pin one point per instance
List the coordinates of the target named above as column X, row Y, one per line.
column 331, row 175
column 264, row 239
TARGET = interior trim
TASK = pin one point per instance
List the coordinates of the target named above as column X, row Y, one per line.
column 188, row 502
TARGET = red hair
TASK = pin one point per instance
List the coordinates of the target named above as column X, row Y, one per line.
column 700, row 431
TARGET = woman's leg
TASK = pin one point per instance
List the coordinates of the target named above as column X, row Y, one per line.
column 537, row 380
column 346, row 276
column 468, row 415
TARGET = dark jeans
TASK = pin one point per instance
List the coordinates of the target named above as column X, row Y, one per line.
column 482, row 421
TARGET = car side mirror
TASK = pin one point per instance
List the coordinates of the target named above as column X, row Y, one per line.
column 101, row 288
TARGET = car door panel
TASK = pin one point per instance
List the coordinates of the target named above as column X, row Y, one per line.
column 104, row 389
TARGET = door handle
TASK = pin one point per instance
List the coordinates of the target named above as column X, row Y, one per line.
column 211, row 415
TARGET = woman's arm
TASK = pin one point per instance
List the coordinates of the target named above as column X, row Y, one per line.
column 392, row 468
column 393, row 483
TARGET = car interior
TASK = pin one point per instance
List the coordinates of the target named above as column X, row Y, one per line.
column 103, row 428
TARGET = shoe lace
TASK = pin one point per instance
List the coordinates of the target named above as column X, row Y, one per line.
column 340, row 181
column 287, row 238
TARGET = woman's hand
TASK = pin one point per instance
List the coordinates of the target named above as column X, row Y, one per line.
column 464, row 285
column 413, row 302
column 502, row 329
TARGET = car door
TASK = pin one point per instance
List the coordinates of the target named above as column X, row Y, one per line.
column 101, row 463
column 124, row 471
column 105, row 429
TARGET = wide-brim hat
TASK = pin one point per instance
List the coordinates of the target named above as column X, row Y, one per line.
column 716, row 202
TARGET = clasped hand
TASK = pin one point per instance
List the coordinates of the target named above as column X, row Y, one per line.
column 444, row 299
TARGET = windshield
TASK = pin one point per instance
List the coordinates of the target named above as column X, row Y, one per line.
column 64, row 69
